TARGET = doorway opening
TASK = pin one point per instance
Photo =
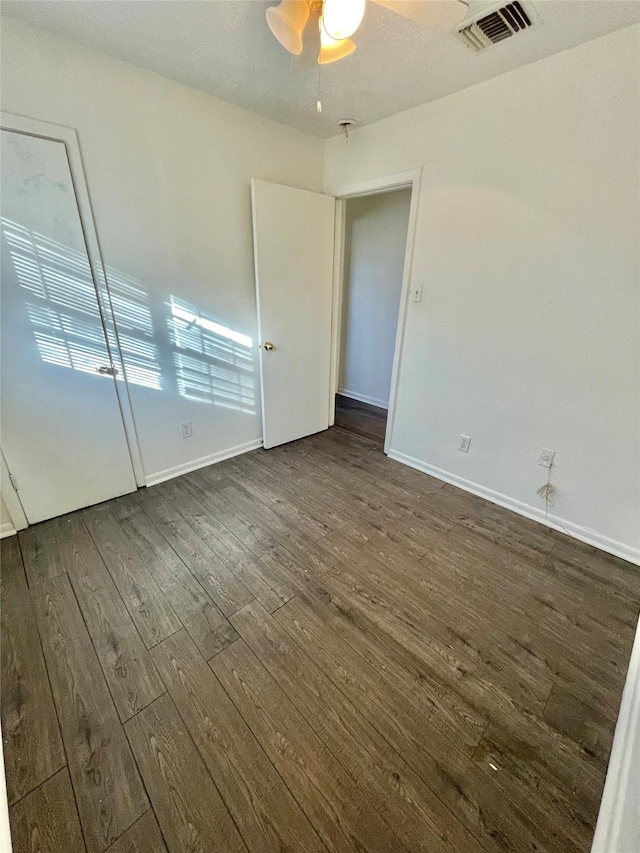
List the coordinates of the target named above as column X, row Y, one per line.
column 375, row 230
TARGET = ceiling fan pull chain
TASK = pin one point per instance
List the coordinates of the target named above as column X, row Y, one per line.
column 319, row 101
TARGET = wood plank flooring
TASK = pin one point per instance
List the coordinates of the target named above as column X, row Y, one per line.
column 363, row 419
column 307, row 649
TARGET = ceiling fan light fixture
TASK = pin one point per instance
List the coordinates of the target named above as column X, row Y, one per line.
column 331, row 50
column 287, row 21
column 341, row 18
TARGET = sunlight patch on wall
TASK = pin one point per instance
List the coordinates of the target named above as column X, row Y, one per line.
column 131, row 309
column 213, row 363
column 63, row 308
column 201, row 322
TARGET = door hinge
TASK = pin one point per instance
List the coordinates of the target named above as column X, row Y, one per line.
column 13, row 480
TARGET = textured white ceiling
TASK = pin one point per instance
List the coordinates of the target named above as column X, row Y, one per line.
column 225, row 48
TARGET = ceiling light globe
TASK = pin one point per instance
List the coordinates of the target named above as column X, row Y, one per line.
column 331, row 50
column 287, row 21
column 341, row 18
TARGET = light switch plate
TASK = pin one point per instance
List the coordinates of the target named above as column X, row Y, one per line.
column 416, row 293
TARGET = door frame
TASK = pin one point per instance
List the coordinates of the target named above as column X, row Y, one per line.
column 11, row 501
column 374, row 186
column 69, row 138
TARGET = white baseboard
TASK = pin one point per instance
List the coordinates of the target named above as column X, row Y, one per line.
column 362, row 398
column 7, row 529
column 177, row 470
column 618, row 826
column 611, row 546
column 5, row 833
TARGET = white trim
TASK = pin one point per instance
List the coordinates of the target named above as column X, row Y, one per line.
column 619, row 818
column 375, row 186
column 362, row 398
column 254, row 232
column 202, row 462
column 11, row 499
column 5, row 833
column 7, row 529
column 611, row 546
column 336, row 307
column 69, row 137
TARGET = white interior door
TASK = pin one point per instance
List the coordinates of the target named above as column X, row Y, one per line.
column 293, row 233
column 62, row 433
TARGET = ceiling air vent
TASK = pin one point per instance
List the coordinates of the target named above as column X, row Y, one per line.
column 496, row 24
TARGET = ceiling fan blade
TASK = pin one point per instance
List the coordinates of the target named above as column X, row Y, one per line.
column 438, row 16
column 310, row 43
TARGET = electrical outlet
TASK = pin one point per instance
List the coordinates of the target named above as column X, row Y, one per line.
column 186, row 430
column 464, row 443
column 546, row 457
column 416, row 293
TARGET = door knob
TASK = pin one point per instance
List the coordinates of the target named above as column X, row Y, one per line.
column 103, row 370
column 268, row 346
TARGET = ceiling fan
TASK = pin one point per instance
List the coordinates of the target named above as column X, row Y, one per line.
column 319, row 31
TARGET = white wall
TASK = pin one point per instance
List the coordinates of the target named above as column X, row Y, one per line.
column 168, row 170
column 527, row 243
column 375, row 246
column 6, row 524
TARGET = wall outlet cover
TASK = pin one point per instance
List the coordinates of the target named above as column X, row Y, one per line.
column 464, row 443
column 186, row 431
column 546, row 457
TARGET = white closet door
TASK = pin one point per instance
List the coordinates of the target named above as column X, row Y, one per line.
column 293, row 232
column 61, row 428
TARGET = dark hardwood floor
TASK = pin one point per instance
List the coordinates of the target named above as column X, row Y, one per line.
column 361, row 418
column 308, row 649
